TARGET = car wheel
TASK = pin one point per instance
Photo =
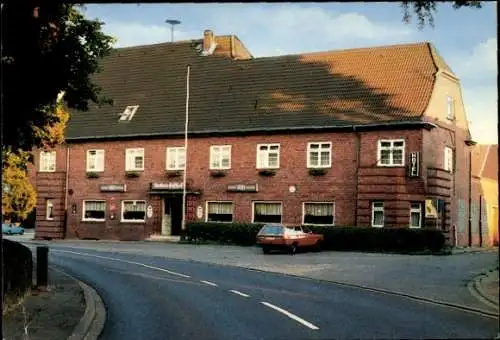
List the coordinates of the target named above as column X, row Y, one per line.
column 265, row 250
column 318, row 246
column 293, row 249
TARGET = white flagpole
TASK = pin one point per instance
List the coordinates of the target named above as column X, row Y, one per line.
column 183, row 227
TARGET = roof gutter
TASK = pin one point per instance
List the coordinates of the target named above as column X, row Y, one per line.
column 346, row 128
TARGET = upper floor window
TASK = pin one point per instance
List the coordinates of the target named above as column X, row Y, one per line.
column 450, row 107
column 268, row 156
column 391, row 152
column 448, row 159
column 220, row 157
column 319, row 155
column 47, row 161
column 134, row 159
column 95, row 160
column 176, row 158
column 319, row 213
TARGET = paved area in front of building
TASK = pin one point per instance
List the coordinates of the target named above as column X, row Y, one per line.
column 442, row 278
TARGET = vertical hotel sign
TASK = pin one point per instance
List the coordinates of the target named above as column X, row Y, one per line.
column 414, row 164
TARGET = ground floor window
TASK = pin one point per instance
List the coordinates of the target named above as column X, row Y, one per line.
column 415, row 215
column 94, row 210
column 377, row 214
column 133, row 211
column 267, row 212
column 319, row 213
column 49, row 209
column 219, row 211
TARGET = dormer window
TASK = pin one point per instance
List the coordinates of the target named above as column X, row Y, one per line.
column 450, row 104
column 129, row 113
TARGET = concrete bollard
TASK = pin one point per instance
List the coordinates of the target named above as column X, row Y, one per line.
column 42, row 266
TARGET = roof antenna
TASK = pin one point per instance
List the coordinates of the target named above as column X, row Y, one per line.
column 172, row 23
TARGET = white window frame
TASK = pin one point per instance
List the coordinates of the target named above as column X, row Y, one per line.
column 122, row 220
column 418, row 210
column 168, row 155
column 265, row 202
column 391, row 148
column 448, row 159
column 49, row 204
column 374, row 209
column 84, row 219
column 98, row 160
column 221, row 150
column 267, row 152
column 450, row 107
column 232, row 211
column 48, row 161
column 319, row 151
column 304, row 213
column 132, row 153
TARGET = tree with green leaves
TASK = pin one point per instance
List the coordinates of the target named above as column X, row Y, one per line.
column 46, row 49
column 425, row 10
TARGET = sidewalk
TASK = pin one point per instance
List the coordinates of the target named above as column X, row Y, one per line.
column 486, row 286
column 67, row 310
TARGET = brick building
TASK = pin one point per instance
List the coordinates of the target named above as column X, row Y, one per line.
column 362, row 137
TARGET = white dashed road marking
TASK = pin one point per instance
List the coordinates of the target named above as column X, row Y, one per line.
column 239, row 293
column 125, row 261
column 209, row 283
column 291, row 316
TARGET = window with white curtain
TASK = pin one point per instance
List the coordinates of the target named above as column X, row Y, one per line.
column 220, row 157
column 133, row 211
column 267, row 212
column 319, row 213
column 49, row 209
column 94, row 210
column 95, row 160
column 268, row 156
column 415, row 215
column 47, row 161
column 176, row 158
column 219, row 211
column 377, row 214
column 134, row 159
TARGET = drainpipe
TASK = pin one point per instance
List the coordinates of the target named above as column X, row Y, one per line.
column 358, row 146
column 470, row 197
column 481, row 221
column 66, row 193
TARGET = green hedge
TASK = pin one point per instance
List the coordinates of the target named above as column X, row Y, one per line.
column 336, row 238
column 381, row 239
column 17, row 272
column 243, row 234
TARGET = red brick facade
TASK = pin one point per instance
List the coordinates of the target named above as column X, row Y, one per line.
column 350, row 183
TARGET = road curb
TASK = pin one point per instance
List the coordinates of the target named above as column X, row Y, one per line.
column 92, row 322
column 476, row 289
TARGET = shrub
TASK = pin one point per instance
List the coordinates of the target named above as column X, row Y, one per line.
column 243, row 234
column 17, row 272
column 380, row 239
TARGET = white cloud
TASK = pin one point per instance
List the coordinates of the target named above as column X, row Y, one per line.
column 132, row 34
column 480, row 62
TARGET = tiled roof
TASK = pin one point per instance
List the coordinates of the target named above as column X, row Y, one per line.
column 336, row 88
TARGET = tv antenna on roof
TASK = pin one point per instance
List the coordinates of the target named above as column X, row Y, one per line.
column 172, row 24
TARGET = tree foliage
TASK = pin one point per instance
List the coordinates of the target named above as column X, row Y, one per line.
column 47, row 49
column 425, row 10
column 18, row 194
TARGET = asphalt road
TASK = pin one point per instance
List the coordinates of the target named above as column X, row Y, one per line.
column 149, row 297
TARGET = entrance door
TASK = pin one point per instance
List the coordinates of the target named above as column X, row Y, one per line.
column 176, row 205
column 166, row 221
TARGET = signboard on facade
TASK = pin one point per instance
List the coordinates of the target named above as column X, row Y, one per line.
column 243, row 188
column 167, row 186
column 199, row 212
column 113, row 187
column 414, row 164
column 430, row 209
column 149, row 211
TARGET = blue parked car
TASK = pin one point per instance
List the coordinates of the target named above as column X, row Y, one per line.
column 12, row 229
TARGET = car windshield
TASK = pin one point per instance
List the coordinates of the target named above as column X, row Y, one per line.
column 272, row 230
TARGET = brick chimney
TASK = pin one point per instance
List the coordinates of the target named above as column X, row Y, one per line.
column 208, row 39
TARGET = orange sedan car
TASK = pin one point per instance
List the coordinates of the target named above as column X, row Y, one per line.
column 279, row 237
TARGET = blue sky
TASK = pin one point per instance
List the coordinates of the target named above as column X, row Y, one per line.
column 466, row 38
